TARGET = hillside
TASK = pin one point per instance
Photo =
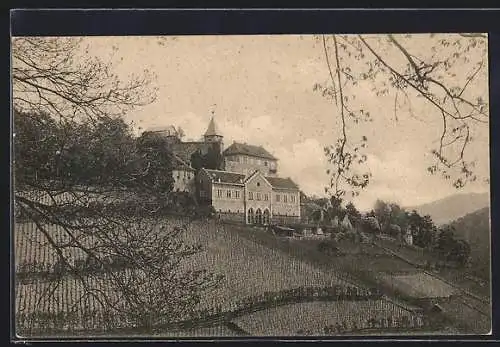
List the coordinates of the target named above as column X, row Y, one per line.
column 250, row 268
column 475, row 229
column 446, row 210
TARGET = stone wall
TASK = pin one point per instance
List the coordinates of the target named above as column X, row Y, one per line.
column 232, row 217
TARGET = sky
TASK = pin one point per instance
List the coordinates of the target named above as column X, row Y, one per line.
column 261, row 91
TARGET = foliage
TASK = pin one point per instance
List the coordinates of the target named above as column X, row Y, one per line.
column 75, row 160
column 476, row 230
column 451, row 248
column 382, row 211
column 444, row 77
column 213, row 159
column 58, row 77
column 154, row 151
column 352, row 212
column 370, row 224
column 422, row 228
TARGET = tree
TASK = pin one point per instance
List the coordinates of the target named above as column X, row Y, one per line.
column 76, row 162
column 382, row 211
column 460, row 252
column 154, row 150
column 197, row 160
column 422, row 229
column 352, row 212
column 398, row 216
column 214, row 159
column 445, row 241
column 446, row 77
column 371, row 224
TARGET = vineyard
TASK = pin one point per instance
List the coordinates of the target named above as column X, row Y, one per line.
column 248, row 269
column 330, row 318
column 256, row 278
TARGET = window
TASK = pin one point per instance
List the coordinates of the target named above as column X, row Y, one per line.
column 250, row 195
column 219, row 193
column 265, row 163
column 292, row 198
column 228, row 194
column 266, row 197
column 277, row 197
column 237, row 194
column 258, row 184
column 258, row 196
column 285, row 198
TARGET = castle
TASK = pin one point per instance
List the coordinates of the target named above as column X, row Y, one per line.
column 245, row 188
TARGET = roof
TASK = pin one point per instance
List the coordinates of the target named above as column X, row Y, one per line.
column 212, row 129
column 282, row 183
column 180, row 164
column 226, row 176
column 243, row 148
column 166, row 130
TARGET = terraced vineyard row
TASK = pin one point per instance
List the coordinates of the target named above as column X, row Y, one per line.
column 330, row 318
column 248, row 269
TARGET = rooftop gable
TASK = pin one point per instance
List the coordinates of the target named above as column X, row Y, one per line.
column 254, row 175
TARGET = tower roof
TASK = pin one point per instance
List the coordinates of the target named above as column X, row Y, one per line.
column 212, row 129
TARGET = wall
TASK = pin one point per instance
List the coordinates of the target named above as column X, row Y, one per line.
column 203, row 186
column 285, row 220
column 185, row 149
column 257, row 186
column 228, row 204
column 233, row 217
column 183, row 180
column 246, row 164
column 289, row 208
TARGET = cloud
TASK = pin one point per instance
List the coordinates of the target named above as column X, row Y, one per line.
column 306, row 164
column 263, row 89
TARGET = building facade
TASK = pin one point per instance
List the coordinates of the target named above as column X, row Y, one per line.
column 251, row 199
column 246, row 189
column 244, row 158
column 183, row 175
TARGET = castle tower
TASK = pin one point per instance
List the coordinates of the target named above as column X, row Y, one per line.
column 213, row 134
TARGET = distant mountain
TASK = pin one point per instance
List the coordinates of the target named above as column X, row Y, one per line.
column 476, row 230
column 453, row 207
